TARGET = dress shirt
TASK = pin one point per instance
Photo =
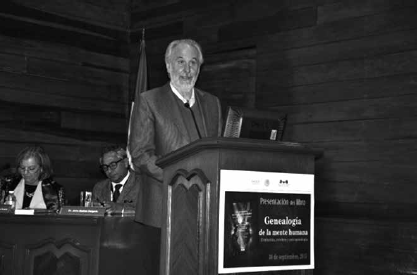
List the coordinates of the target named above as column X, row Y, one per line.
column 121, row 182
column 184, row 100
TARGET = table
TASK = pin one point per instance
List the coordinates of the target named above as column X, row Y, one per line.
column 57, row 244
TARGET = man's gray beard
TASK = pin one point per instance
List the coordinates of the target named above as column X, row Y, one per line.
column 182, row 86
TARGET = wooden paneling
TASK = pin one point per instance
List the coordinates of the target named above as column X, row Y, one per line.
column 111, row 13
column 83, row 245
column 60, row 88
column 340, row 50
column 344, row 131
column 230, row 76
column 368, row 181
column 385, row 86
column 345, row 72
column 365, row 247
column 343, row 29
column 64, row 84
column 160, row 12
column 357, row 8
column 360, row 109
column 26, row 97
column 55, row 34
column 18, row 135
column 167, row 29
column 53, row 69
column 282, row 21
column 100, row 123
column 385, row 65
column 68, row 54
column 12, row 63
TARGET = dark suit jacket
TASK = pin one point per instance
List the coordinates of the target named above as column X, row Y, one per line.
column 50, row 192
column 128, row 197
column 157, row 128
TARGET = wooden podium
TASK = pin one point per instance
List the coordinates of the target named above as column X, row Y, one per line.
column 189, row 233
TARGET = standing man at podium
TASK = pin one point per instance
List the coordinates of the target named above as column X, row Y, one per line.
column 167, row 118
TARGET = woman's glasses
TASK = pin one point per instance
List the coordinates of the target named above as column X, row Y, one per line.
column 31, row 169
column 112, row 165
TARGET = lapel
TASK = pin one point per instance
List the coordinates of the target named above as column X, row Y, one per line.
column 37, row 200
column 127, row 187
column 171, row 110
column 106, row 190
column 18, row 193
column 199, row 97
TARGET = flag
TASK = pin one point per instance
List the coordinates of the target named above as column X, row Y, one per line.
column 142, row 78
column 141, row 86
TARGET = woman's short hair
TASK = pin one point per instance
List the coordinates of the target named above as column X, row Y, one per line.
column 41, row 157
column 187, row 41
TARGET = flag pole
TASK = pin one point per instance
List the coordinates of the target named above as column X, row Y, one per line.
column 141, row 86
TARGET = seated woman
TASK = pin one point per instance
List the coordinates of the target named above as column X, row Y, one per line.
column 35, row 187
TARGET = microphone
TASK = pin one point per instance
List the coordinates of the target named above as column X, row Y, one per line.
column 187, row 105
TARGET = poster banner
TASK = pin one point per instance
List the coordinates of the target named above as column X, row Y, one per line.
column 265, row 221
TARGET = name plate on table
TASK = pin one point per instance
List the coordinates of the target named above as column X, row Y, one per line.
column 26, row 212
column 5, row 209
column 83, row 211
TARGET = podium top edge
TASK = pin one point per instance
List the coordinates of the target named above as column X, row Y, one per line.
column 239, row 144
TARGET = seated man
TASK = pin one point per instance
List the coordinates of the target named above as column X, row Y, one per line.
column 118, row 193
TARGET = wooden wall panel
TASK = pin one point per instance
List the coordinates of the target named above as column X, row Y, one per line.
column 385, row 86
column 100, row 123
column 358, row 109
column 48, row 100
column 344, row 72
column 19, row 135
column 386, row 65
column 340, row 50
column 64, row 74
column 368, row 181
column 12, row 63
column 395, row 150
column 339, row 10
column 282, row 21
column 37, row 84
column 382, row 129
column 365, row 247
column 68, row 54
column 78, row 73
column 395, row 20
column 112, row 13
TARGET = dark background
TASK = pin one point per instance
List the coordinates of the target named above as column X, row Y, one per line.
column 344, row 71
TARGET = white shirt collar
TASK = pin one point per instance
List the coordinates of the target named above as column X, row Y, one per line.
column 191, row 101
column 37, row 201
column 123, row 182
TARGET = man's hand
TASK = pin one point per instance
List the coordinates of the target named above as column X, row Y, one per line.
column 112, row 207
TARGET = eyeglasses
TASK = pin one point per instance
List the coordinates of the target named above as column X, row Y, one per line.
column 31, row 169
column 112, row 165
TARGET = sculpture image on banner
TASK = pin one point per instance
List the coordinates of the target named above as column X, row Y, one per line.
column 265, row 221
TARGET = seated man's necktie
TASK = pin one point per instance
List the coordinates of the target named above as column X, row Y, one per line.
column 116, row 192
